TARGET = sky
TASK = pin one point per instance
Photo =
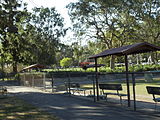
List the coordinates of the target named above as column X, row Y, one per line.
column 60, row 7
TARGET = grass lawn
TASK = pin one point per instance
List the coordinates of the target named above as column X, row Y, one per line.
column 141, row 91
column 12, row 108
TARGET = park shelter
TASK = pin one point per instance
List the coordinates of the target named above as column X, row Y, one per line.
column 124, row 51
column 34, row 66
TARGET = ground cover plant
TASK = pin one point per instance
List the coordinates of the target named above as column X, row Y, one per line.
column 12, row 108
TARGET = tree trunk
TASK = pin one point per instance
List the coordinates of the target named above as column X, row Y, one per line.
column 112, row 62
column 15, row 67
column 3, row 73
column 153, row 56
column 138, row 59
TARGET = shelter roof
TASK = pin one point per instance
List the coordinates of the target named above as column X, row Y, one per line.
column 34, row 66
column 127, row 50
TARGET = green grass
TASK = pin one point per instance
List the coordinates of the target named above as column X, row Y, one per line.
column 12, row 108
column 141, row 92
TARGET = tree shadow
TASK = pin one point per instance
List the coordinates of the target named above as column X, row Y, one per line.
column 69, row 107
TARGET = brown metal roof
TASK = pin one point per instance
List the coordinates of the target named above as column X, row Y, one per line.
column 127, row 50
column 34, row 66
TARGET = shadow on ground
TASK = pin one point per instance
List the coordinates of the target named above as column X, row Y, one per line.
column 69, row 107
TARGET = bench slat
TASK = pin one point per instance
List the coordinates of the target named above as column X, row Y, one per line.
column 110, row 86
column 153, row 90
column 117, row 87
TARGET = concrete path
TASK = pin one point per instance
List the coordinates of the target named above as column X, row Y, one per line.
column 74, row 108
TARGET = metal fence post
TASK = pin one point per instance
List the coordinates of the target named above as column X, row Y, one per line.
column 32, row 80
column 134, row 91
column 52, row 83
column 44, row 80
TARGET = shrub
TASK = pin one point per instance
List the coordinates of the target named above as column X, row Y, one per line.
column 66, row 62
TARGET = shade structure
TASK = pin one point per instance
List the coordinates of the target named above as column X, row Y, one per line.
column 128, row 50
column 125, row 51
column 34, row 66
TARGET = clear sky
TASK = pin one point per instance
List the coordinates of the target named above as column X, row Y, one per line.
column 58, row 4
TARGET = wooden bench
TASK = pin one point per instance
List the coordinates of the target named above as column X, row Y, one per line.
column 3, row 90
column 75, row 87
column 115, row 87
column 154, row 91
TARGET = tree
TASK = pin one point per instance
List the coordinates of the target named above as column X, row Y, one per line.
column 63, row 51
column 97, row 22
column 66, row 62
column 11, row 37
column 30, row 37
column 49, row 28
column 115, row 23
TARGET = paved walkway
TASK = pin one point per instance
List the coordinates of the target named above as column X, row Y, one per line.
column 74, row 108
